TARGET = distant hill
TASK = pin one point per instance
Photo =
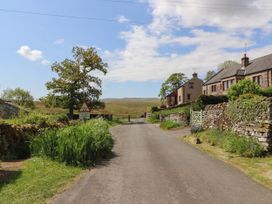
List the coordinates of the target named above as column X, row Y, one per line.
column 128, row 106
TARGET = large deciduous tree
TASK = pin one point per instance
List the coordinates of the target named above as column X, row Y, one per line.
column 172, row 83
column 75, row 81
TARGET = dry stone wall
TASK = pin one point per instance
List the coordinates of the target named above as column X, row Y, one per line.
column 260, row 128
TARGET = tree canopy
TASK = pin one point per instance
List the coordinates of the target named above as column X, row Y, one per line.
column 172, row 83
column 209, row 75
column 227, row 64
column 75, row 82
column 245, row 86
column 19, row 96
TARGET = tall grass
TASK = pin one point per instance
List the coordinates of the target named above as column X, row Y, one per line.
column 77, row 145
column 233, row 143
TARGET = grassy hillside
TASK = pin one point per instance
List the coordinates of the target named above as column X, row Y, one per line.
column 119, row 107
column 129, row 106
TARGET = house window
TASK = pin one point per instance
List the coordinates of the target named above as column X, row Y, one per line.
column 213, row 88
column 191, row 85
column 189, row 96
column 258, row 79
column 225, row 85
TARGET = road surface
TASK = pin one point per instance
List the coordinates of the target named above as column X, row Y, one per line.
column 151, row 166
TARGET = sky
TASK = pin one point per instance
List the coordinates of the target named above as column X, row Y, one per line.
column 143, row 41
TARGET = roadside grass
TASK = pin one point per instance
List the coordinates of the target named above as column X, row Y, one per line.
column 39, row 180
column 258, row 168
column 168, row 125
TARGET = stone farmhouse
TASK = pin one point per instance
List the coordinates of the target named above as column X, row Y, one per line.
column 186, row 93
column 258, row 70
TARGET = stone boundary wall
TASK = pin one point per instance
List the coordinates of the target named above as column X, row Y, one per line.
column 177, row 117
column 15, row 139
column 261, row 128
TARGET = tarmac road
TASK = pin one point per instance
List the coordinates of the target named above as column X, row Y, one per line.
column 151, row 166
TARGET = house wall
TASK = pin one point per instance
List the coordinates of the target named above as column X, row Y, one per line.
column 266, row 78
column 208, row 89
column 192, row 88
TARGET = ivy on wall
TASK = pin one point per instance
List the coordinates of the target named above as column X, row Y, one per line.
column 248, row 108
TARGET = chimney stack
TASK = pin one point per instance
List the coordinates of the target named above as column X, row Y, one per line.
column 245, row 61
column 194, row 75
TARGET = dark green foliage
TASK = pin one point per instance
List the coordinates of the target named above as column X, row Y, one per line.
column 181, row 110
column 205, row 100
column 244, row 86
column 76, row 145
column 247, row 108
column 267, row 92
column 209, row 75
column 152, row 109
column 196, row 129
column 169, row 124
column 231, row 142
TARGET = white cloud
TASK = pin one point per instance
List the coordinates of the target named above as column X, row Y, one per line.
column 45, row 62
column 28, row 53
column 187, row 36
column 59, row 41
column 123, row 19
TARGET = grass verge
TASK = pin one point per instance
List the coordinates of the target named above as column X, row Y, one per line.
column 258, row 168
column 168, row 125
column 36, row 182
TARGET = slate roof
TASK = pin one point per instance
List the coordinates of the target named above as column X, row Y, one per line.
column 257, row 65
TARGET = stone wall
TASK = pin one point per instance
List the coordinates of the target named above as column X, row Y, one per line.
column 177, row 117
column 261, row 128
column 8, row 110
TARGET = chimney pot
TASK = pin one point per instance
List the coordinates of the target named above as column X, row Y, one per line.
column 194, row 75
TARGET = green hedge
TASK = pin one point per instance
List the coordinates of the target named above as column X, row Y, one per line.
column 77, row 145
column 205, row 100
column 182, row 110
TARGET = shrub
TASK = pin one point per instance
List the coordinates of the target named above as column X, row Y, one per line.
column 231, row 142
column 245, row 86
column 152, row 109
column 205, row 100
column 267, row 92
column 76, row 145
column 154, row 119
column 169, row 124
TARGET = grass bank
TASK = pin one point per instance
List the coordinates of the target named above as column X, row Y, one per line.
column 37, row 181
column 258, row 168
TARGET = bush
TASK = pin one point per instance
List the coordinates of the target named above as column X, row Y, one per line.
column 76, row 145
column 267, row 92
column 231, row 142
column 244, row 86
column 152, row 109
column 154, row 119
column 169, row 124
column 205, row 100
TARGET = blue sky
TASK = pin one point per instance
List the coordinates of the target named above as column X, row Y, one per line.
column 148, row 41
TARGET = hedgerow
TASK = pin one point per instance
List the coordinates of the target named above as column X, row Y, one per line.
column 169, row 124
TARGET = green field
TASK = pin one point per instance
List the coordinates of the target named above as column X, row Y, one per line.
column 135, row 107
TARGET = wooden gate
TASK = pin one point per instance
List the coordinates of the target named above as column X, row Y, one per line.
column 197, row 118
